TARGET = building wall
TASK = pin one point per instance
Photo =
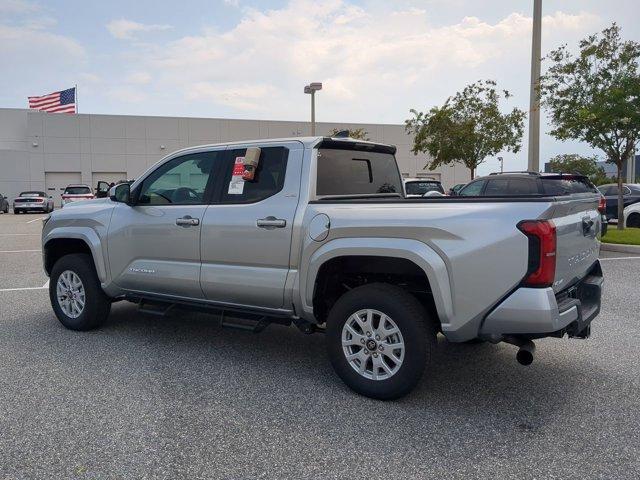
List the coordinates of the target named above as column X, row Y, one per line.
column 33, row 144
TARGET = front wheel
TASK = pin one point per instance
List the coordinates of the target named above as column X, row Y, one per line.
column 379, row 340
column 76, row 295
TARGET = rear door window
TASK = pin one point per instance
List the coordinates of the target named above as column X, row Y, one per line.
column 522, row 186
column 472, row 189
column 497, row 187
column 568, row 186
column 354, row 172
column 268, row 179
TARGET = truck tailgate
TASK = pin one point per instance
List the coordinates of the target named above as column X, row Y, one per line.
column 577, row 222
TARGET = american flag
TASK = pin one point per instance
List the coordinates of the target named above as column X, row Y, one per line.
column 56, row 102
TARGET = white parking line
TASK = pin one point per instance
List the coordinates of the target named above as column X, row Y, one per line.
column 44, row 287
column 35, row 220
column 619, row 258
column 19, row 251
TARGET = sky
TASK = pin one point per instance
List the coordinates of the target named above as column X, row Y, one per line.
column 251, row 59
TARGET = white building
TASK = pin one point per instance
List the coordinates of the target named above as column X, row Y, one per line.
column 42, row 151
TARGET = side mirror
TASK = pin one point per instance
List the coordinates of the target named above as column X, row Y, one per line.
column 121, row 193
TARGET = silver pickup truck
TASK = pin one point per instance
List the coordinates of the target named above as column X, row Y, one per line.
column 317, row 232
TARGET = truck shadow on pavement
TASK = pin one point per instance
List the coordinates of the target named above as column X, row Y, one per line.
column 282, row 372
column 466, row 379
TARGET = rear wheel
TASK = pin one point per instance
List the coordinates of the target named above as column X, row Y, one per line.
column 75, row 293
column 379, row 340
column 633, row 220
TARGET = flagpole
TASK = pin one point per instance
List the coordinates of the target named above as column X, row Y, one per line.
column 76, row 99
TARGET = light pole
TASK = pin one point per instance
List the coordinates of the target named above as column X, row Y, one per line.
column 312, row 88
column 501, row 159
column 534, row 95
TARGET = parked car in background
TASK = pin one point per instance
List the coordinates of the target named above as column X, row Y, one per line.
column 453, row 191
column 75, row 193
column 419, row 187
column 518, row 184
column 630, row 192
column 32, row 201
column 632, row 215
column 4, row 204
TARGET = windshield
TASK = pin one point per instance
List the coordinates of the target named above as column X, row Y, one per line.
column 77, row 190
column 355, row 172
column 422, row 187
column 32, row 194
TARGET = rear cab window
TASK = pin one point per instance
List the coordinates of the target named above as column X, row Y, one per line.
column 353, row 172
column 77, row 191
column 420, row 187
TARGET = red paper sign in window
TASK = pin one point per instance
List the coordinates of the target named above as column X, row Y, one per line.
column 238, row 167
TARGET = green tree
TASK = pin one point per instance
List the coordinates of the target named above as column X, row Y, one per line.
column 594, row 96
column 468, row 128
column 574, row 163
column 357, row 133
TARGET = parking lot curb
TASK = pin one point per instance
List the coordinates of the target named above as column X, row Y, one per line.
column 615, row 247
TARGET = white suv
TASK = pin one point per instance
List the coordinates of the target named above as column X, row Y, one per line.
column 74, row 193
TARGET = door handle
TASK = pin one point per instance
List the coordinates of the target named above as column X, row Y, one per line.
column 271, row 222
column 187, row 221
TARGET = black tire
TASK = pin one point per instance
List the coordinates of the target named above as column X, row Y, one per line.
column 97, row 304
column 416, row 327
column 16, row 212
column 633, row 221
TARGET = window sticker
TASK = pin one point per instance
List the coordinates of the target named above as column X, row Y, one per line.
column 236, row 185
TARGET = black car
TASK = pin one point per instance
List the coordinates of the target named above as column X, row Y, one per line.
column 4, row 204
column 518, row 184
column 630, row 195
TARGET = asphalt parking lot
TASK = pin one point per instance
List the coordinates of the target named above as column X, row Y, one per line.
column 179, row 397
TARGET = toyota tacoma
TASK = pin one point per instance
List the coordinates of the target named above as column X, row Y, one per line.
column 317, row 232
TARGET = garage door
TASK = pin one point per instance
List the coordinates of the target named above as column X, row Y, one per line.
column 56, row 182
column 109, row 177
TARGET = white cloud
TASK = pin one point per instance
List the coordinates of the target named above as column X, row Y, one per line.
column 391, row 59
column 18, row 6
column 233, row 3
column 37, row 44
column 124, row 29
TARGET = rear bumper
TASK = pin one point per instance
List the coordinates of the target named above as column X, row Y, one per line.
column 26, row 208
column 539, row 312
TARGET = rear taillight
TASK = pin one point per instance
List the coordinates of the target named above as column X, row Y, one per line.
column 39, row 200
column 602, row 205
column 542, row 252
